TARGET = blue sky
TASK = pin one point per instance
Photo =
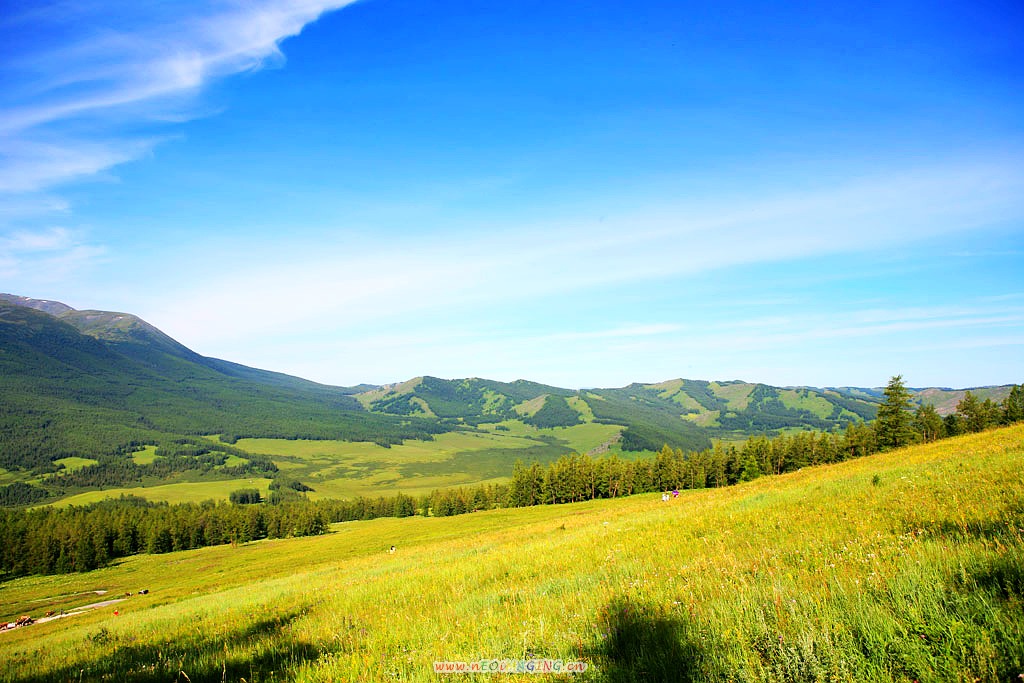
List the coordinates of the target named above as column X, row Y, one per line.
column 578, row 193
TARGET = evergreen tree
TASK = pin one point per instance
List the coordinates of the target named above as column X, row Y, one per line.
column 973, row 413
column 893, row 426
column 954, row 425
column 1013, row 405
column 928, row 423
column 751, row 470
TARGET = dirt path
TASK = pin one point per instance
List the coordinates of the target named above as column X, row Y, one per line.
column 71, row 612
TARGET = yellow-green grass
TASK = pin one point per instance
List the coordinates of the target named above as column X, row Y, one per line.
column 234, row 461
column 72, row 463
column 673, row 389
column 737, row 395
column 390, row 483
column 346, row 469
column 368, row 397
column 443, row 447
column 582, row 438
column 146, row 456
column 581, row 407
column 817, row 405
column 183, row 492
column 709, row 418
column 424, row 407
column 529, row 408
column 898, row 567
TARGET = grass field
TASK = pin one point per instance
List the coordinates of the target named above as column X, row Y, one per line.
column 906, row 566
column 145, row 456
column 345, row 469
column 183, row 492
column 74, row 463
column 581, row 438
column 794, row 398
column 737, row 395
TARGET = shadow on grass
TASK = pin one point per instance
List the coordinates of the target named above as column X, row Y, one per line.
column 261, row 650
column 642, row 643
column 1002, row 576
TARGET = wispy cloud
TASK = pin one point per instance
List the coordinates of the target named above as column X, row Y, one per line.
column 630, row 331
column 775, row 349
column 387, row 279
column 45, row 256
column 98, row 66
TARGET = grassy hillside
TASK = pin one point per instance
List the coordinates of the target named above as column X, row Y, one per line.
column 735, row 410
column 895, row 567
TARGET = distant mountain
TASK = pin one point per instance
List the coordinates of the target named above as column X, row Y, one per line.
column 944, row 399
column 681, row 412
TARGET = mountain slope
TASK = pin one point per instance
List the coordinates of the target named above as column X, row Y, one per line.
column 125, row 383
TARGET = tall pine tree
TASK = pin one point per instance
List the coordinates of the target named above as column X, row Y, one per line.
column 893, row 426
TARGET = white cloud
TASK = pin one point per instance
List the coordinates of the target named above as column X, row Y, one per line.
column 26, row 166
column 64, row 103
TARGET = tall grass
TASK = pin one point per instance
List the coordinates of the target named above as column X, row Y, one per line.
column 897, row 567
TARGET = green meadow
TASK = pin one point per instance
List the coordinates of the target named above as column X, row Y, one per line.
column 145, row 456
column 73, row 463
column 903, row 566
column 347, row 469
column 181, row 492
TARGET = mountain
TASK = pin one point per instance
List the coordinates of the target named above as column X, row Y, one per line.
column 681, row 412
column 100, row 384
column 88, row 388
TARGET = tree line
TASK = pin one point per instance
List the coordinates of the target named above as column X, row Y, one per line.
column 76, row 539
column 52, row 540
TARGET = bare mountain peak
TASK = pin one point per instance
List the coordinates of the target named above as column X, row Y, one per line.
column 54, row 308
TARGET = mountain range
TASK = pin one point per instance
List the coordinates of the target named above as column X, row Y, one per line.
column 100, row 385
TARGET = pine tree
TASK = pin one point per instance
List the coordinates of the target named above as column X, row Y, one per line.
column 893, row 426
column 1013, row 405
column 973, row 413
column 928, row 423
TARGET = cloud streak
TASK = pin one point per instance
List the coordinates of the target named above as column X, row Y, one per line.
column 65, row 104
column 387, row 279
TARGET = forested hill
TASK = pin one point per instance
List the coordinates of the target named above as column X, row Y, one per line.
column 98, row 384
column 680, row 412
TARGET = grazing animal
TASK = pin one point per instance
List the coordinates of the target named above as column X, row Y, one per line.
column 144, row 591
